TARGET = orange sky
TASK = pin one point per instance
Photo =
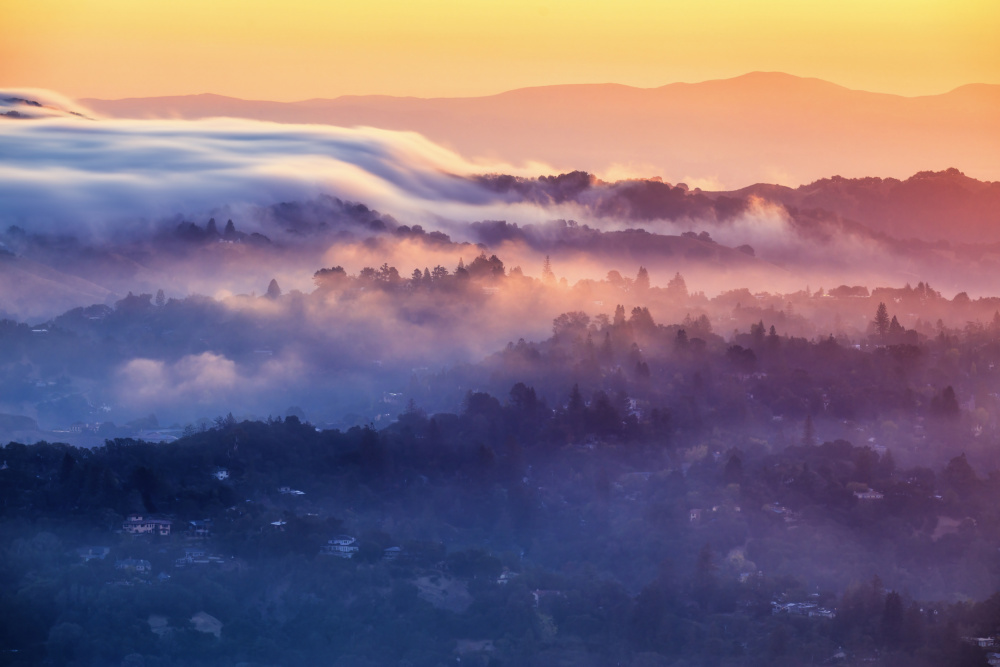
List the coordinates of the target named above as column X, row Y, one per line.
column 298, row 49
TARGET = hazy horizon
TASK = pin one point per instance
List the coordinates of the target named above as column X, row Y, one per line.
column 557, row 84
column 406, row 346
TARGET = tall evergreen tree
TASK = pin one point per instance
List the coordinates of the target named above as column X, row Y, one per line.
column 881, row 321
column 547, row 274
column 642, row 280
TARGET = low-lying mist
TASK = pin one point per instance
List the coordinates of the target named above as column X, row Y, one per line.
column 190, row 268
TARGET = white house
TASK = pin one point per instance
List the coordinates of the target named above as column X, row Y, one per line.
column 137, row 524
column 139, row 566
column 342, row 546
column 200, row 528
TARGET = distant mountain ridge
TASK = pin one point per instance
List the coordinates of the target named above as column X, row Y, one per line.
column 945, row 205
column 759, row 127
column 930, row 206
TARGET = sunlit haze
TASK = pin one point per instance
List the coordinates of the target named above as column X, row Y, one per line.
column 304, row 49
column 499, row 334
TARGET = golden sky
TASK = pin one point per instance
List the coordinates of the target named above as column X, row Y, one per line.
column 299, row 49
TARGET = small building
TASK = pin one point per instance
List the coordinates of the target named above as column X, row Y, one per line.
column 391, row 553
column 868, row 495
column 135, row 565
column 289, row 491
column 197, row 556
column 506, row 576
column 342, row 546
column 981, row 642
column 138, row 524
column 200, row 528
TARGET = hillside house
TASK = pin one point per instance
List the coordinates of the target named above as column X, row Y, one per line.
column 200, row 528
column 981, row 642
column 506, row 576
column 342, row 546
column 197, row 556
column 134, row 565
column 138, row 524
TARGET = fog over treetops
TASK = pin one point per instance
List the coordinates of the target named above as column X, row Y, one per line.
column 302, row 394
column 215, row 265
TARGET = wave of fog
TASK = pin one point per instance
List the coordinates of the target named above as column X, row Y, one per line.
column 102, row 179
column 30, row 103
column 110, row 182
column 64, row 174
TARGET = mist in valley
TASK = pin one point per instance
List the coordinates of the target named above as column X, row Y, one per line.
column 759, row 426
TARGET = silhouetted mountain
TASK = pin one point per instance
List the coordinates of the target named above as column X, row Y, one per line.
column 928, row 205
column 756, row 127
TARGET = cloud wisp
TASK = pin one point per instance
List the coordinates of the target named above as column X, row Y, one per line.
column 62, row 173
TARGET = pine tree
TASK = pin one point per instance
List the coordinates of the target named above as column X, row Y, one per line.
column 619, row 316
column 642, row 280
column 160, row 298
column 547, row 274
column 273, row 291
column 881, row 321
column 896, row 330
column 677, row 288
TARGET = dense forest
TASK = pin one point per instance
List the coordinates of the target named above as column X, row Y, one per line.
column 356, row 347
column 622, row 492
column 485, row 418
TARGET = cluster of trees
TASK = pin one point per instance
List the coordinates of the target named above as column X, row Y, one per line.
column 607, row 561
column 657, row 490
column 192, row 233
column 482, row 268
